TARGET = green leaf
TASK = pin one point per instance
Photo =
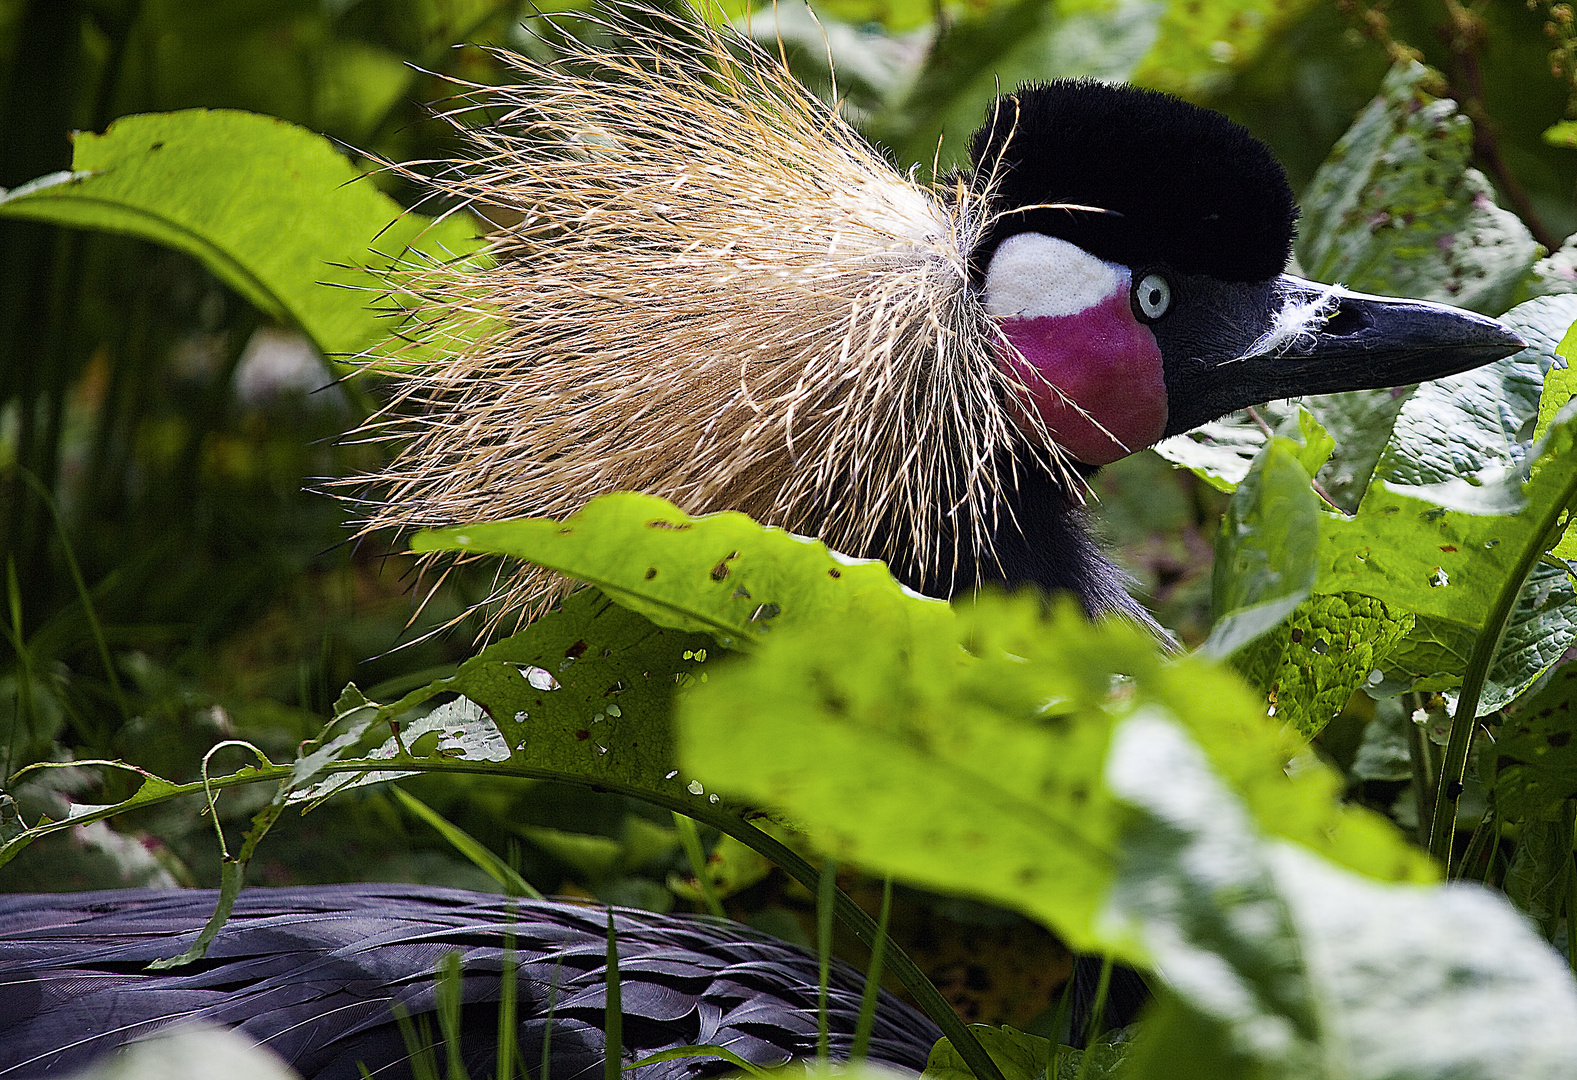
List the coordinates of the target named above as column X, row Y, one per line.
column 1020, row 1055
column 275, row 211
column 1459, row 428
column 964, row 758
column 1532, row 766
column 1420, row 557
column 1325, row 652
column 1266, row 550
column 1559, row 384
column 1386, row 750
column 584, row 694
column 1396, row 210
column 1303, row 969
column 1539, row 879
column 1563, row 133
column 1220, row 453
column 1358, row 424
column 720, row 573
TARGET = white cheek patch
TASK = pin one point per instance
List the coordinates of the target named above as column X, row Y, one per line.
column 1032, row 276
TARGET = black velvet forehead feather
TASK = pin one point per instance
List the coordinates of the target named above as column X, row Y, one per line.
column 1196, row 192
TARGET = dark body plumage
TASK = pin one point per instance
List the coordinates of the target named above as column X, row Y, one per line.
column 315, row 974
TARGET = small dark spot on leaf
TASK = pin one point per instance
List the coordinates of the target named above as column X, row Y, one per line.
column 765, row 612
column 582, row 734
column 1321, row 646
column 672, row 526
column 740, row 593
column 651, row 572
column 576, row 651
column 1297, row 635
column 1447, row 547
column 566, row 530
column 1559, row 738
column 834, row 572
column 158, row 145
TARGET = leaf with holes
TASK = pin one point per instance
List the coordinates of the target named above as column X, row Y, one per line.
column 718, row 573
column 1395, row 209
column 584, row 693
column 1324, row 653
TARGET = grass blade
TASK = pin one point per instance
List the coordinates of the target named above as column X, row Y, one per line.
column 873, row 978
column 613, row 1015
column 691, row 839
column 826, row 897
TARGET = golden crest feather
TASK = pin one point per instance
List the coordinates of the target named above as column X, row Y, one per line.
column 715, row 291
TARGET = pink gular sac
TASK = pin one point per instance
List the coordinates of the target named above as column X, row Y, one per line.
column 1102, row 361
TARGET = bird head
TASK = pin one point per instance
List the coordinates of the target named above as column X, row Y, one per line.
column 1133, row 257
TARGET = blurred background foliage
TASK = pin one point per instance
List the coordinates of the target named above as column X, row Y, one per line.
column 171, row 580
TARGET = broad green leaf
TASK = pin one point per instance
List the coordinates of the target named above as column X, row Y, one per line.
column 1532, row 766
column 719, row 573
column 1304, row 969
column 977, row 776
column 275, row 211
column 1220, row 453
column 1325, row 652
column 584, row 693
column 1396, row 210
column 962, row 757
column 1459, row 427
column 1420, row 557
column 1359, row 423
column 1200, row 46
column 1266, row 550
column 1543, row 626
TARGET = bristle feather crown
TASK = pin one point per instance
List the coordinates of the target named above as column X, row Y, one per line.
column 717, row 292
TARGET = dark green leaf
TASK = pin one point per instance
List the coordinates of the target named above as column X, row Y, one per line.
column 1532, row 766
column 1265, row 553
column 1395, row 209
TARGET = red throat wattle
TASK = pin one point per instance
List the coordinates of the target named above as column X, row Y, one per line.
column 1094, row 377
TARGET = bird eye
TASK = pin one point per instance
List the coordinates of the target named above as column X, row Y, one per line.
column 1152, row 297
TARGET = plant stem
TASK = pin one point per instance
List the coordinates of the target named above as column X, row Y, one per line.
column 1485, row 646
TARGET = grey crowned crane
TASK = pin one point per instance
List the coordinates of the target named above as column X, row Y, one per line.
column 717, row 292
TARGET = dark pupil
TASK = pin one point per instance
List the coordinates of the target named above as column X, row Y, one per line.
column 1155, row 297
